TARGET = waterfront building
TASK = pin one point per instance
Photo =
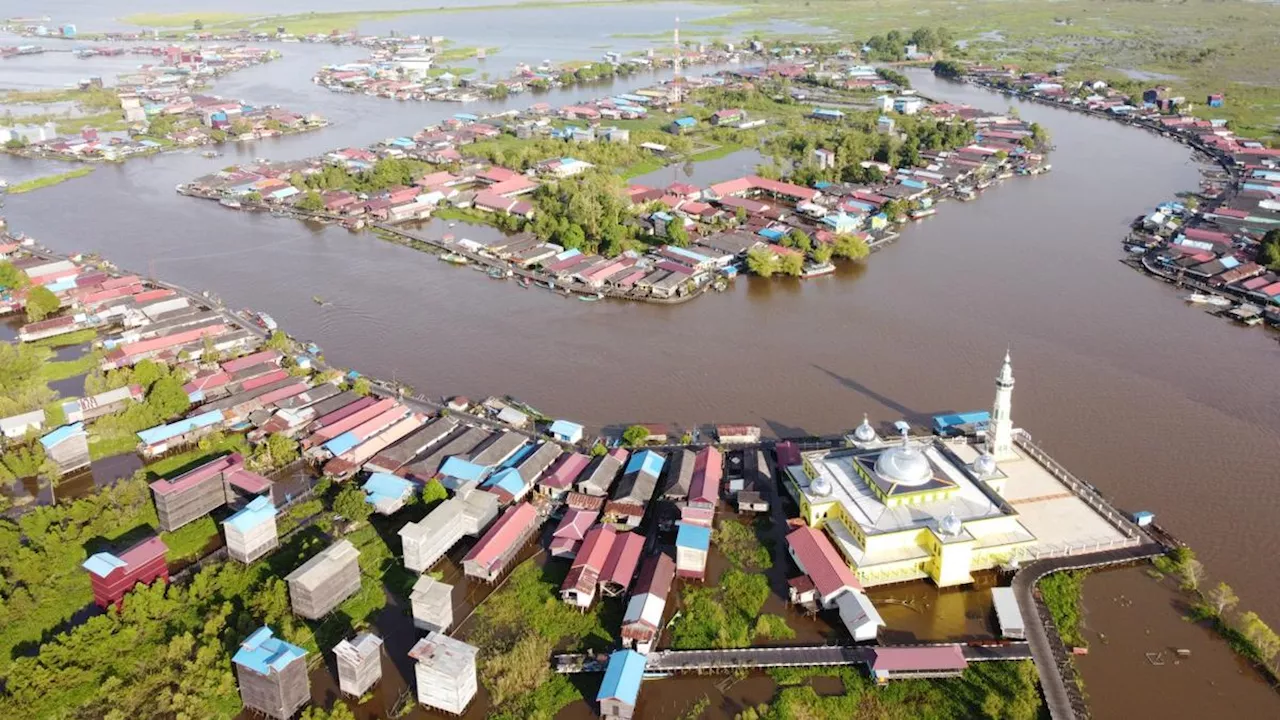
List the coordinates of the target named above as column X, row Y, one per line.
column 643, row 617
column 112, row 577
column 387, row 493
column 1008, row 613
column 907, row 663
column 915, row 508
column 16, row 426
column 692, row 544
column 105, row 403
column 601, row 473
column 67, row 447
column 251, row 532
column 445, row 671
column 708, row 469
column 501, row 542
column 359, row 663
column 272, row 675
column 621, row 685
column 679, row 475
column 324, row 581
column 197, row 493
column 432, row 604
column 572, row 531
column 566, row 432
column 468, row 512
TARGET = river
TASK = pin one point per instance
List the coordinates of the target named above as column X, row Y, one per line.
column 1162, row 406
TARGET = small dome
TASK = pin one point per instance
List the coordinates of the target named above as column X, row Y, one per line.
column 985, row 465
column 904, row 464
column 950, row 526
column 864, row 432
column 820, row 487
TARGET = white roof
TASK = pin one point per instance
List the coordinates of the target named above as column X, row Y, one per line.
column 1008, row 612
column 647, row 607
column 856, row 611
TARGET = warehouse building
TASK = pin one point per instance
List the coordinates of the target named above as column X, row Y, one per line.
column 324, row 581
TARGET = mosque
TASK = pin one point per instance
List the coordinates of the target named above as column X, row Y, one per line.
column 906, row 508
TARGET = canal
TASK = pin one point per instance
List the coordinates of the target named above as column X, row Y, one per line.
column 1162, row 406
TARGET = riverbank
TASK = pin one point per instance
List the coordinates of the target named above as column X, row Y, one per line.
column 1214, row 240
column 48, row 181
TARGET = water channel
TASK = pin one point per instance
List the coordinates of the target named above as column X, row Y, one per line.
column 1162, row 406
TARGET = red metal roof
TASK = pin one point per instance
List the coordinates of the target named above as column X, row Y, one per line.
column 820, row 561
column 566, row 471
column 596, row 547
column 656, row 575
column 708, row 469
column 506, row 531
column 624, row 556
column 249, row 361
column 942, row 657
column 575, row 523
column 186, row 481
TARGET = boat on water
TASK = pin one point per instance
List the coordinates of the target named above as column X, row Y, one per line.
column 922, row 213
column 1197, row 298
column 266, row 321
column 499, row 273
column 1218, row 301
column 318, row 300
column 550, row 285
column 229, row 203
column 455, row 258
column 524, row 282
column 817, row 270
column 591, row 298
column 210, row 153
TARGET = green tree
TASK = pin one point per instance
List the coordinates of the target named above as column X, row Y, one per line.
column 763, row 261
column 1269, row 251
column 278, row 341
column 822, row 252
column 850, row 247
column 635, row 435
column 434, row 492
column 197, row 25
column 792, row 265
column 1221, row 598
column 11, row 278
column 167, row 398
column 676, row 233
column 41, row 303
column 310, row 202
column 598, row 449
column 277, row 451
column 362, row 386
column 350, row 503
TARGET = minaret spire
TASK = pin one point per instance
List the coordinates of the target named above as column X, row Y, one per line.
column 1000, row 429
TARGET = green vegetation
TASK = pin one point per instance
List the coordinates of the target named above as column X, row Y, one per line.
column 434, row 492
column 54, row 371
column 11, row 278
column 1269, row 251
column 275, row 452
column 22, row 384
column 773, row 627
column 350, row 503
column 163, row 400
column 998, row 690
column 1061, row 594
column 180, row 20
column 722, row 616
column 22, row 461
column 78, row 337
column 41, row 303
column 635, row 435
column 740, row 543
column 190, row 541
column 1245, row 632
column 517, row 629
column 50, row 180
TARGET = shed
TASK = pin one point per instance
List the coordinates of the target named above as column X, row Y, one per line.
column 500, row 544
column 68, row 447
column 432, row 604
column 859, row 616
column 324, row 581
column 692, row 544
column 1008, row 613
column 359, row 663
column 272, row 675
column 939, row 661
column 387, row 493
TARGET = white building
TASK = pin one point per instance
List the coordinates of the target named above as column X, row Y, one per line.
column 359, row 663
column 446, row 672
column 432, row 604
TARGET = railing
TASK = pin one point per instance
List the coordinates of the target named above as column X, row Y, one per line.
column 1086, row 492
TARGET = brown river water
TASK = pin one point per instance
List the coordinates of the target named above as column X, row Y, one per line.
column 1162, row 406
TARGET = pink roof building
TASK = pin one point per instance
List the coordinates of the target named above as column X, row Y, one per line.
column 500, row 544
column 571, row 531
column 818, row 559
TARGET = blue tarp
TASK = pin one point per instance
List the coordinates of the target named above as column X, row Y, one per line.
column 622, row 677
column 691, row 255
column 258, row 511
column 771, row 234
column 262, row 652
column 943, row 423
column 693, row 536
column 62, row 433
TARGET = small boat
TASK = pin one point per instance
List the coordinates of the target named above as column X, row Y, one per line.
column 229, row 203
column 1197, row 298
column 455, row 258
column 591, row 298
column 922, row 213
column 1218, row 301
column 524, row 282
column 318, row 300
column 210, row 153
column 499, row 273
column 267, row 322
column 817, row 270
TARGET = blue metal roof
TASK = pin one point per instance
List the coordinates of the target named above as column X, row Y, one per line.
column 62, row 433
column 508, row 480
column 828, row 112
column 686, row 122
column 687, row 253
column 172, row 430
column 519, row 455
column 771, row 234
column 646, row 461
column 566, row 429
column 463, row 469
column 342, row 443
column 262, row 652
column 466, row 116
column 693, row 536
column 385, row 486
column 102, row 564
column 622, row 677
column 258, row 511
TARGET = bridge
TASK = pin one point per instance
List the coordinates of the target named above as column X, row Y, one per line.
column 725, row 659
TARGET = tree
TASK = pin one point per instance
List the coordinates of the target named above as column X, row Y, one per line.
column 277, row 451
column 1263, row 638
column 277, row 341
column 993, row 706
column 635, row 435
column 198, row 25
column 350, row 503
column 362, row 386
column 676, row 233
column 1269, row 251
column 310, row 202
column 434, row 492
column 822, row 252
column 792, row 265
column 1221, row 598
column 850, row 247
column 167, row 398
column 11, row 278
column 598, row 449
column 762, row 261
column 41, row 303
column 1191, row 574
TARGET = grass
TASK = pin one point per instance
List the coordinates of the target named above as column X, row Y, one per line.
column 49, row 181
column 101, row 447
column 197, row 455
column 79, row 337
column 190, row 541
column 740, row 543
column 643, row 167
column 1061, row 593
column 181, row 20
column 464, row 53
column 724, row 150
column 92, row 98
column 54, row 371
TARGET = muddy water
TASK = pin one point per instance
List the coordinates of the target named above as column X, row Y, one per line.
column 1159, row 404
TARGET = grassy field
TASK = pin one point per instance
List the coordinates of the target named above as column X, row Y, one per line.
column 49, row 181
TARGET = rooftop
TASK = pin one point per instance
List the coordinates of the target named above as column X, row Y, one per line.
column 264, row 653
column 622, row 677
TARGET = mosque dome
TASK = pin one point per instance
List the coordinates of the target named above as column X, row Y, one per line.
column 950, row 525
column 864, row 432
column 904, row 465
column 985, row 465
column 820, row 487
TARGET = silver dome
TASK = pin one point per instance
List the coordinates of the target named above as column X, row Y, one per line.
column 950, row 525
column 904, row 464
column 820, row 487
column 985, row 465
column 864, row 432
